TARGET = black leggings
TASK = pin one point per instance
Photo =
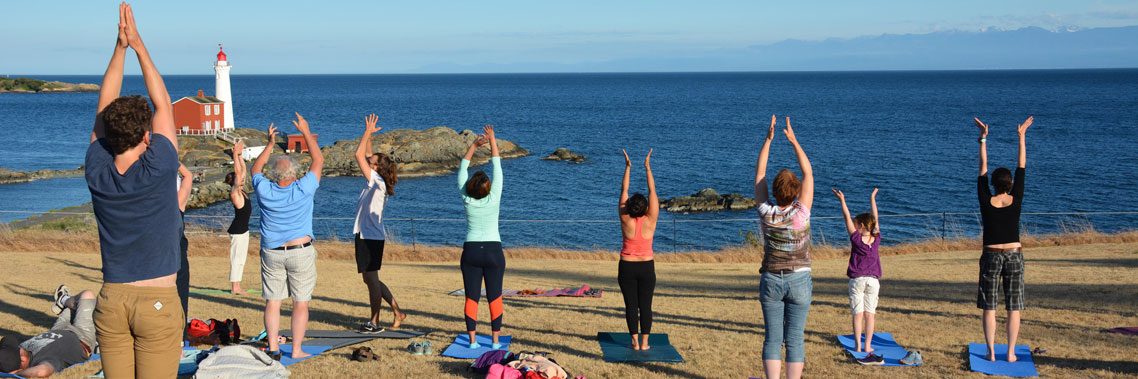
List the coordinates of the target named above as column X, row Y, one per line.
column 483, row 261
column 637, row 284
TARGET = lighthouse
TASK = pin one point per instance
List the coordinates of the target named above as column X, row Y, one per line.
column 221, row 71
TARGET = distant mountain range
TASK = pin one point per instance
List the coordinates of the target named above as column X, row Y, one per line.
column 1026, row 48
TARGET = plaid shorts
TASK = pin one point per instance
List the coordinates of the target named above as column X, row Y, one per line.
column 994, row 269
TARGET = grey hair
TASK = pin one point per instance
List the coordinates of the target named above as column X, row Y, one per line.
column 276, row 173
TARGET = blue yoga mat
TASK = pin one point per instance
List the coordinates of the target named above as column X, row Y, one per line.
column 286, row 353
column 461, row 346
column 7, row 375
column 616, row 348
column 883, row 345
column 1022, row 368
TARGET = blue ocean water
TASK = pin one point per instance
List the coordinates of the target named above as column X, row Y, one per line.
column 909, row 133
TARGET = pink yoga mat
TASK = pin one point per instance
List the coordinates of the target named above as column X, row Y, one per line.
column 1130, row 331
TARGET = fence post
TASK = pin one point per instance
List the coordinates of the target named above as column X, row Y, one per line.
column 943, row 224
column 412, row 234
column 673, row 235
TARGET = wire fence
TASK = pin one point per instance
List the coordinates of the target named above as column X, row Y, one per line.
column 682, row 233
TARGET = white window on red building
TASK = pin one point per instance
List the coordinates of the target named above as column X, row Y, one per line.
column 207, row 110
column 205, row 125
column 216, row 110
column 217, row 125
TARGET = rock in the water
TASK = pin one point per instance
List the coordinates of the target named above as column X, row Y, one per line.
column 432, row 152
column 563, row 154
column 16, row 176
column 708, row 200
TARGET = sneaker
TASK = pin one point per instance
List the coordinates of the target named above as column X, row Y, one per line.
column 912, row 358
column 61, row 294
column 415, row 348
column 872, row 360
column 369, row 328
column 426, row 347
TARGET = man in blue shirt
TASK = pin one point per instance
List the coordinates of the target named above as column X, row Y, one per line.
column 288, row 260
column 131, row 169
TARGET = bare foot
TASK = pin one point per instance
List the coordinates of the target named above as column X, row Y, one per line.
column 860, row 349
column 239, row 292
column 299, row 354
column 645, row 347
column 397, row 320
column 1012, row 357
column 634, row 346
column 869, row 350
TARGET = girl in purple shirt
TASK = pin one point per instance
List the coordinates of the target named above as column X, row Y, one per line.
column 864, row 270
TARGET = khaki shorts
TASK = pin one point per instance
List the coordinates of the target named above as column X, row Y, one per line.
column 863, row 294
column 288, row 273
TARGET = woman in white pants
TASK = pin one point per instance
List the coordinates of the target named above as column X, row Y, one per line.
column 239, row 228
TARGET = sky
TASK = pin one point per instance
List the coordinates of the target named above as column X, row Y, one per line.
column 306, row 37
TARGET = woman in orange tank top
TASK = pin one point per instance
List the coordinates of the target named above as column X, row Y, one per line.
column 636, row 272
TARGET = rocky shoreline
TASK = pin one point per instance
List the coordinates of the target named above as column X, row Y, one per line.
column 29, row 85
column 16, row 176
column 708, row 200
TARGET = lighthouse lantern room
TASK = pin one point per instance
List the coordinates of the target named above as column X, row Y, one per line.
column 221, row 71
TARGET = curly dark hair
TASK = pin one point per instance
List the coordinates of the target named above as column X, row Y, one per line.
column 125, row 121
column 636, row 205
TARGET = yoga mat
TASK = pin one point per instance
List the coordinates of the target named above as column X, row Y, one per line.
column 562, row 292
column 7, row 375
column 336, row 343
column 461, row 346
column 398, row 333
column 286, row 353
column 1024, row 367
column 1130, row 331
column 883, row 345
column 616, row 348
column 211, row 291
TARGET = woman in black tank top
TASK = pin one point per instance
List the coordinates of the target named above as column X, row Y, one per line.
column 239, row 228
column 1002, row 257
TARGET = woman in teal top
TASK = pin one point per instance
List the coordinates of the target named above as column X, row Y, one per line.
column 482, row 257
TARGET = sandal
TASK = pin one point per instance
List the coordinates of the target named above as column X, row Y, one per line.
column 363, row 354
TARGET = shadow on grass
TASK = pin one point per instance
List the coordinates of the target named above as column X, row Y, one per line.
column 71, row 263
column 1124, row 367
column 36, row 317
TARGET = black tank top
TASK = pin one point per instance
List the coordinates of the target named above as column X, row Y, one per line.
column 241, row 215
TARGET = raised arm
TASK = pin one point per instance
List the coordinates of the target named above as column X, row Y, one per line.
column 983, row 146
column 238, row 176
column 762, row 193
column 112, row 78
column 263, row 159
column 1022, row 130
column 185, row 187
column 163, row 121
column 624, row 185
column 806, row 191
column 488, row 131
column 462, row 166
column 313, row 149
column 41, row 370
column 653, row 201
column 873, row 210
column 363, row 151
column 495, row 162
column 850, row 227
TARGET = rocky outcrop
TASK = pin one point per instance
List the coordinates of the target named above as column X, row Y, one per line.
column 30, row 85
column 563, row 154
column 707, row 200
column 432, row 152
column 16, row 176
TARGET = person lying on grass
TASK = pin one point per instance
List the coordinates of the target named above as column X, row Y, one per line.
column 70, row 340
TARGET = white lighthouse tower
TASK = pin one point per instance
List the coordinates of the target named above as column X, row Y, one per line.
column 221, row 71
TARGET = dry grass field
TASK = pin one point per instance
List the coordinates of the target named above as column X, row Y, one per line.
column 707, row 303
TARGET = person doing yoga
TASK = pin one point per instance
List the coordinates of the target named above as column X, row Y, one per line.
column 379, row 171
column 1002, row 259
column 636, row 272
column 864, row 271
column 785, row 287
column 482, row 257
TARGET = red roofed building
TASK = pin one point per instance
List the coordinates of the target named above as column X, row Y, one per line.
column 199, row 114
column 297, row 144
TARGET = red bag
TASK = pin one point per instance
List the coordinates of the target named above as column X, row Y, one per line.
column 199, row 328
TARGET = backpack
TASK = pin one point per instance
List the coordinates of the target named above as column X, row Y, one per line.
column 213, row 332
column 489, row 358
column 498, row 371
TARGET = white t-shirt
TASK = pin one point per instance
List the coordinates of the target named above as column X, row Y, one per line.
column 369, row 209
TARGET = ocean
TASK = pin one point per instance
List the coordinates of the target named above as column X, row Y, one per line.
column 908, row 133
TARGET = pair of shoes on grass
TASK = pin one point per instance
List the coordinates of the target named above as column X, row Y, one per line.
column 419, row 348
column 363, row 354
column 911, row 358
column 371, row 328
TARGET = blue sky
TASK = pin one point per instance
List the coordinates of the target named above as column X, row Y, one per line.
column 75, row 37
